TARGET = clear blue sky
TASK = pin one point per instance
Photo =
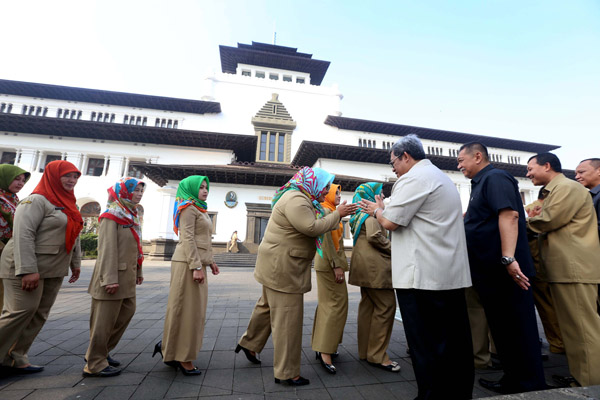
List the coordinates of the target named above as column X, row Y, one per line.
column 527, row 70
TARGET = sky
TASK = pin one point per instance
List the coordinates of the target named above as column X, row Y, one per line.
column 525, row 70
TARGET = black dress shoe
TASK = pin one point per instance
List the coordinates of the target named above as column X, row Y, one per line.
column 497, row 386
column 393, row 367
column 564, row 381
column 31, row 369
column 189, row 372
column 294, row 382
column 157, row 349
column 328, row 367
column 105, row 373
column 249, row 356
column 335, row 355
column 112, row 362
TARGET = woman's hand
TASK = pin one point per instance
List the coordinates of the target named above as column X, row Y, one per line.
column 199, row 276
column 346, row 209
column 74, row 275
column 139, row 280
column 339, row 275
column 30, row 282
column 112, row 288
column 214, row 268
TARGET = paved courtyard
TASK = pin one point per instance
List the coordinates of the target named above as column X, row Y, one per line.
column 62, row 343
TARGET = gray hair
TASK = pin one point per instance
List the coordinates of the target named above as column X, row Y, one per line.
column 411, row 145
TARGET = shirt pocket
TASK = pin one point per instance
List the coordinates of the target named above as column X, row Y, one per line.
column 202, row 245
column 122, row 266
column 301, row 253
column 47, row 249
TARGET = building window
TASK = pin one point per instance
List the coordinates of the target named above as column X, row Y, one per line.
column 272, row 146
column 259, row 74
column 287, row 78
column 246, row 72
column 95, row 166
column 49, row 159
column 93, row 117
column 8, row 157
column 24, row 110
column 175, row 124
column 138, row 120
column 157, row 123
column 169, row 124
column 145, row 121
column 134, row 173
column 300, row 80
column 6, row 108
column 125, row 119
column 274, row 77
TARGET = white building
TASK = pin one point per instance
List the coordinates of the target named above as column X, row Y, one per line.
column 264, row 114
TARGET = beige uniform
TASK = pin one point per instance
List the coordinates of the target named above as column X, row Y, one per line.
column 332, row 307
column 283, row 268
column 370, row 268
column 186, row 307
column 111, row 313
column 569, row 249
column 37, row 246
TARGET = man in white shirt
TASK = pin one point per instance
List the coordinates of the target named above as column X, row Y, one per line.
column 430, row 270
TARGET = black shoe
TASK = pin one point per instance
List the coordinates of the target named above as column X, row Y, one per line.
column 393, row 367
column 112, row 362
column 496, row 365
column 31, row 369
column 189, row 372
column 172, row 364
column 563, row 381
column 328, row 367
column 335, row 355
column 496, row 386
column 157, row 349
column 249, row 356
column 294, row 382
column 545, row 357
column 105, row 373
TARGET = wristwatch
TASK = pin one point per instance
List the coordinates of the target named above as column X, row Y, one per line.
column 507, row 260
column 198, row 268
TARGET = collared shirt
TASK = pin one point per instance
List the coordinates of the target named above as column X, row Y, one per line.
column 595, row 192
column 494, row 190
column 428, row 248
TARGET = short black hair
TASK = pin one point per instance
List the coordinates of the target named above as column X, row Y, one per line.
column 543, row 158
column 472, row 147
column 594, row 161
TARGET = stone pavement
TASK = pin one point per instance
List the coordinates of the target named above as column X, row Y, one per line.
column 62, row 343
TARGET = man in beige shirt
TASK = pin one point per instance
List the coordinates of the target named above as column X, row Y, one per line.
column 569, row 258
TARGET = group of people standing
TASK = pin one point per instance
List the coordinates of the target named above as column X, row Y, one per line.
column 433, row 255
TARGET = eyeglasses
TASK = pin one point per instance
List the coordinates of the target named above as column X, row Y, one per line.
column 393, row 161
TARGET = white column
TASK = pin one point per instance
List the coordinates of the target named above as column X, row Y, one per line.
column 104, row 171
column 17, row 156
column 115, row 167
column 126, row 169
column 39, row 161
column 163, row 224
column 464, row 189
column 75, row 158
column 27, row 160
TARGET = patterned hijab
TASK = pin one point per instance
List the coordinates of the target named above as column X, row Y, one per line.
column 312, row 182
column 366, row 191
column 329, row 204
column 52, row 189
column 8, row 200
column 187, row 195
column 121, row 209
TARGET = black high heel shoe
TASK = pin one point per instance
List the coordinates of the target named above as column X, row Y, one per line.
column 189, row 372
column 249, row 356
column 158, row 349
column 294, row 382
column 328, row 367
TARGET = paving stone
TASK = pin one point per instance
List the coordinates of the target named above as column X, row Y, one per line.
column 15, row 394
column 116, row 392
column 78, row 393
column 248, row 380
column 152, row 387
column 181, row 390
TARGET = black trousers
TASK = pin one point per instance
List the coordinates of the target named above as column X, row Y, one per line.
column 437, row 330
column 513, row 324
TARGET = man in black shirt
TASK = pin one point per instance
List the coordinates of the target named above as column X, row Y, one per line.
column 501, row 266
column 588, row 174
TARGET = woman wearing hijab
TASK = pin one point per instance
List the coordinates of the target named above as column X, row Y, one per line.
column 188, row 293
column 12, row 180
column 370, row 268
column 117, row 271
column 294, row 232
column 44, row 245
column 332, row 308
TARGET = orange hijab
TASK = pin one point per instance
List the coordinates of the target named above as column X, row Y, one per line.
column 329, row 204
column 52, row 189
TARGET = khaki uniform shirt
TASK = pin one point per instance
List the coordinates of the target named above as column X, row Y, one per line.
column 116, row 263
column 370, row 265
column 38, row 242
column 331, row 258
column 288, row 247
column 569, row 246
column 195, row 239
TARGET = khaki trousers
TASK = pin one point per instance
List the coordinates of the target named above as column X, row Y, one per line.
column 376, row 312
column 545, row 307
column 186, row 314
column 480, row 331
column 331, row 313
column 108, row 321
column 24, row 315
column 575, row 305
column 1, row 296
column 281, row 314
